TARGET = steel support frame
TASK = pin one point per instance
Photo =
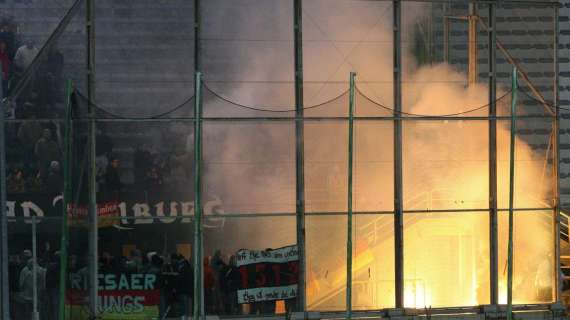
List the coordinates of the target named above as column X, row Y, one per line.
column 398, row 170
column 92, row 181
column 493, row 212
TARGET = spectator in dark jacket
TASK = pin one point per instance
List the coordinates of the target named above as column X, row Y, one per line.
column 54, row 180
column 209, row 287
column 6, row 66
column 52, row 287
column 46, row 150
column 7, row 36
column 232, row 283
column 28, row 135
column 185, row 285
column 113, row 182
column 153, row 178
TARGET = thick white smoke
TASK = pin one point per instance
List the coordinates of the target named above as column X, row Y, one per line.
column 252, row 164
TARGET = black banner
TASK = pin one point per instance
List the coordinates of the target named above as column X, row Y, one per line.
column 268, row 274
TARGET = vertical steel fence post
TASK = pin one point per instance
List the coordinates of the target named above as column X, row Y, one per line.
column 197, row 25
column 35, row 313
column 398, row 178
column 511, row 195
column 93, row 218
column 67, row 185
column 4, row 281
column 198, row 311
column 556, row 162
column 493, row 213
column 299, row 154
column 198, row 302
column 350, row 180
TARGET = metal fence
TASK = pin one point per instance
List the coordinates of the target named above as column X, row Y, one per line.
column 373, row 135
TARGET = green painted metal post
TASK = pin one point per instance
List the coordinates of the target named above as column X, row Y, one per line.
column 511, row 196
column 66, row 197
column 93, row 216
column 198, row 230
column 349, row 219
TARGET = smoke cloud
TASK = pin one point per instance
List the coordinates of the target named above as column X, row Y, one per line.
column 251, row 164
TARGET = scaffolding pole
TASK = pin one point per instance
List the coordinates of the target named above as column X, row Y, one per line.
column 349, row 219
column 93, row 219
column 511, row 196
column 67, row 178
column 4, row 281
column 472, row 70
column 299, row 154
column 493, row 212
column 446, row 30
column 198, row 311
column 398, row 178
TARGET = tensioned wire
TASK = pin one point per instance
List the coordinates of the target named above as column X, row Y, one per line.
column 285, row 109
column 125, row 117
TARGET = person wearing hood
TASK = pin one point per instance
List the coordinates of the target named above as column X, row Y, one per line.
column 26, row 285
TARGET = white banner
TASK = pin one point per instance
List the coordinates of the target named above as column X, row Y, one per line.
column 281, row 255
column 267, row 294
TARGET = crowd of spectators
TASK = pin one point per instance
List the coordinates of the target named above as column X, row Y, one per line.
column 176, row 280
column 174, row 274
column 21, row 275
column 33, row 147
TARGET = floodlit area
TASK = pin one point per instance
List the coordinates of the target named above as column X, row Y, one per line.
column 303, row 158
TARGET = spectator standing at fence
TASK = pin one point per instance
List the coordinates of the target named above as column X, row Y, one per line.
column 48, row 86
column 28, row 134
column 209, row 286
column 26, row 284
column 46, row 150
column 54, row 180
column 153, row 178
column 232, row 283
column 16, row 183
column 219, row 266
column 8, row 37
column 6, row 66
column 52, row 287
column 113, row 182
column 184, row 285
